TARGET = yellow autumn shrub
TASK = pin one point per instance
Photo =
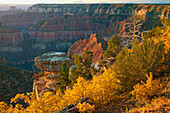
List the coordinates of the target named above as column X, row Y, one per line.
column 100, row 90
column 85, row 107
column 3, row 107
column 146, row 91
column 164, row 37
column 158, row 105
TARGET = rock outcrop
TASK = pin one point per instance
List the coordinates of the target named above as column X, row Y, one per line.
column 9, row 35
column 79, row 47
column 3, row 61
column 51, row 64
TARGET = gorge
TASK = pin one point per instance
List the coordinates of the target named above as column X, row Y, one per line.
column 55, row 27
column 61, row 55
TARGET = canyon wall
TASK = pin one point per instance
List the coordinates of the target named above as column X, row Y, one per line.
column 9, row 35
column 68, row 28
column 39, row 12
column 55, row 27
column 11, row 38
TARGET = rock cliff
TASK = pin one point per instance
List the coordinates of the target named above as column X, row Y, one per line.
column 9, row 35
column 49, row 24
column 101, row 9
column 40, row 12
column 80, row 46
column 68, row 28
column 51, row 64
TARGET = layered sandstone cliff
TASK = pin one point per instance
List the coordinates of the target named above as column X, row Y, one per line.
column 91, row 44
column 68, row 28
column 40, row 12
column 9, row 35
column 51, row 64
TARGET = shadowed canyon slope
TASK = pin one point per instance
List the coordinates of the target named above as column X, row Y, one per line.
column 13, row 81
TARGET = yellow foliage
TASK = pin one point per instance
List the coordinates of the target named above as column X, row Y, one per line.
column 85, row 107
column 158, row 105
column 148, row 90
column 3, row 107
column 165, row 37
column 101, row 90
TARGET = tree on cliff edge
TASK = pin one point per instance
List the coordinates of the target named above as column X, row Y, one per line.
column 84, row 66
column 114, row 46
column 64, row 77
column 133, row 64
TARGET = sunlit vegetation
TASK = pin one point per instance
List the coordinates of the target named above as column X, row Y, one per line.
column 139, row 77
column 147, row 91
column 83, row 67
column 114, row 47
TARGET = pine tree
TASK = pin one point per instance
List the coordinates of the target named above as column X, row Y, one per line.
column 114, row 46
column 64, row 77
column 83, row 66
column 133, row 64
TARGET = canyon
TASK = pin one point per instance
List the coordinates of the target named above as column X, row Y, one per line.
column 55, row 27
column 68, row 28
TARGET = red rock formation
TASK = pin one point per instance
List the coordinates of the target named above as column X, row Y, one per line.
column 11, row 38
column 67, row 28
column 51, row 64
column 9, row 35
column 91, row 44
column 3, row 61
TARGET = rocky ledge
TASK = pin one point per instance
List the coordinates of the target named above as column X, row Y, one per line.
column 51, row 61
column 50, row 64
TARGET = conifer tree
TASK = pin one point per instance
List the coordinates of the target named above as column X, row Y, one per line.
column 83, row 66
column 64, row 77
column 114, row 46
column 133, row 64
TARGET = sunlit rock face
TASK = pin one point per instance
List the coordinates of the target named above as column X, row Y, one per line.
column 80, row 46
column 51, row 64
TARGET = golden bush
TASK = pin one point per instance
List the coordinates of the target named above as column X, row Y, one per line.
column 85, row 107
column 100, row 90
column 146, row 91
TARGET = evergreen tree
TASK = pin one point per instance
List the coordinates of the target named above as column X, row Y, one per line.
column 114, row 46
column 64, row 77
column 83, row 66
column 143, row 58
